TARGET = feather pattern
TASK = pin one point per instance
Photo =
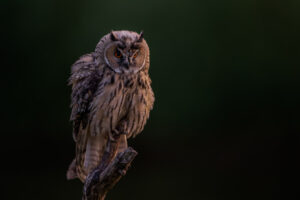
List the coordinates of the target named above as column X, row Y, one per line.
column 105, row 101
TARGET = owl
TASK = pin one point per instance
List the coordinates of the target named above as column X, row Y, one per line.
column 111, row 94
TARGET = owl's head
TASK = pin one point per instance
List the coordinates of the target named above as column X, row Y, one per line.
column 124, row 52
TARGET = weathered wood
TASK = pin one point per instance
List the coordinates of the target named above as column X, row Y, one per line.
column 108, row 173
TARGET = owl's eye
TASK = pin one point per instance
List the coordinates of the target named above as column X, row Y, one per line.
column 135, row 54
column 118, row 54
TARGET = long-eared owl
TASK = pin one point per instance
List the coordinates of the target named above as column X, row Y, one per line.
column 111, row 93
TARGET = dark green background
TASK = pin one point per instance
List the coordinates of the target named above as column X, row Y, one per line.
column 225, row 76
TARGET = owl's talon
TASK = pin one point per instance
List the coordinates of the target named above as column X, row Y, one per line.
column 122, row 128
column 111, row 138
column 115, row 132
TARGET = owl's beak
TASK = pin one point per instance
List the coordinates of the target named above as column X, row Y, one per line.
column 126, row 63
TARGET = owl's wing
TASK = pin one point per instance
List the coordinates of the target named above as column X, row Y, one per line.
column 84, row 81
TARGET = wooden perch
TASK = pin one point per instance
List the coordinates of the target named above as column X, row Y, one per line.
column 108, row 173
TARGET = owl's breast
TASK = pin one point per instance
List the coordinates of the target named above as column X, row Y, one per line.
column 121, row 99
column 111, row 104
column 139, row 101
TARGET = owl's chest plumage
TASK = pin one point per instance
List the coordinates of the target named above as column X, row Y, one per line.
column 121, row 102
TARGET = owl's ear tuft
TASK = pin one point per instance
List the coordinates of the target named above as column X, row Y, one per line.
column 141, row 37
column 113, row 36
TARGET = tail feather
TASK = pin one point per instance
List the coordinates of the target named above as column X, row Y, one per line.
column 71, row 173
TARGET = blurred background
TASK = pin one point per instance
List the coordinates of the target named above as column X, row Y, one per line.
column 226, row 80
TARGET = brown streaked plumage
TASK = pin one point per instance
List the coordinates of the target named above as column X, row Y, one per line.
column 111, row 93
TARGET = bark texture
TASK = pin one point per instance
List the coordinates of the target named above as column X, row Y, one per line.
column 108, row 173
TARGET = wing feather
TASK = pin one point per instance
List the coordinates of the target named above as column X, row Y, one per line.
column 84, row 80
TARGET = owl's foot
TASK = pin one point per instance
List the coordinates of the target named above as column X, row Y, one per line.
column 123, row 127
column 115, row 134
